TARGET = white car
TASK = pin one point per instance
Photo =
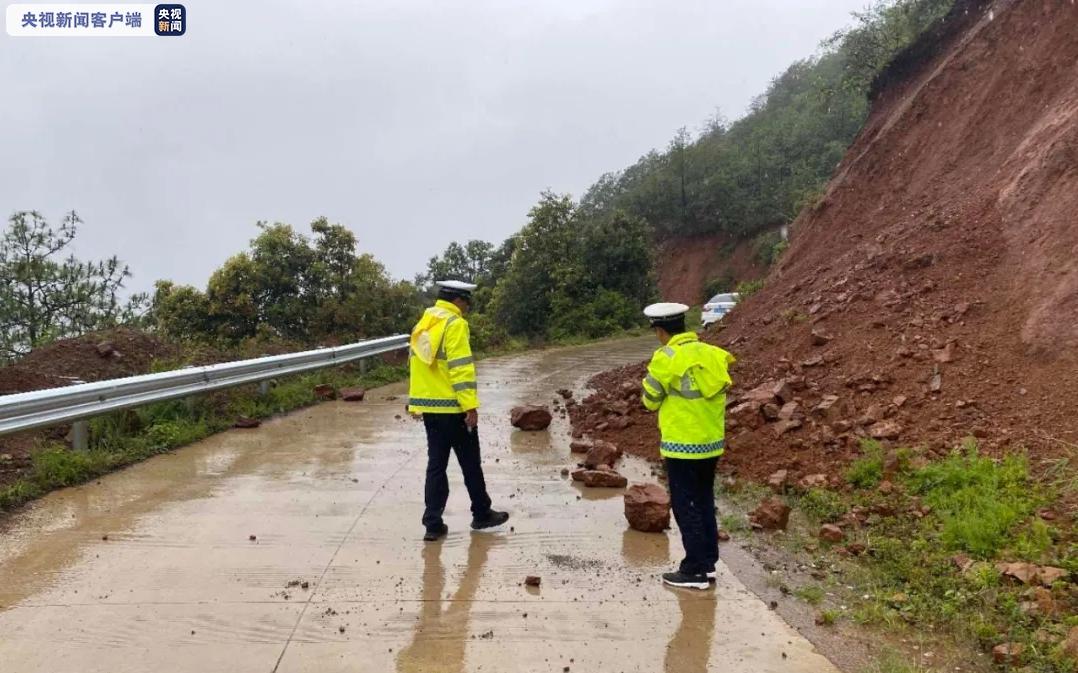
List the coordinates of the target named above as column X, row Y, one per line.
column 718, row 306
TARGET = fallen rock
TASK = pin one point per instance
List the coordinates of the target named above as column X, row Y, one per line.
column 770, row 392
column 1041, row 603
column 771, row 514
column 353, row 394
column 820, row 338
column 618, row 408
column 824, row 408
column 874, row 414
column 724, row 536
column 790, row 411
column 935, row 384
column 579, row 446
column 1070, row 645
column 324, row 392
column 962, row 562
column 532, row 581
column 565, row 393
column 782, row 427
column 1049, row 575
column 105, row 349
column 777, row 481
column 601, row 453
column 885, row 430
column 945, row 354
column 770, row 411
column 246, row 422
column 831, row 533
column 530, row 418
column 647, row 508
column 814, row 361
column 1008, row 654
column 607, row 478
column 813, row 481
column 1026, row 573
column 856, row 549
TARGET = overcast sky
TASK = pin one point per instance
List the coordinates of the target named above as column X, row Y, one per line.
column 413, row 123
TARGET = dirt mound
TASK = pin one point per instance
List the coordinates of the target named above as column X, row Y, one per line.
column 91, row 357
column 939, row 271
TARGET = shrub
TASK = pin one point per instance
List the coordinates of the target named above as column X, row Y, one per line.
column 867, row 471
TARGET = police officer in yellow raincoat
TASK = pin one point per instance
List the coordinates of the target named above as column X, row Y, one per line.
column 442, row 388
column 686, row 383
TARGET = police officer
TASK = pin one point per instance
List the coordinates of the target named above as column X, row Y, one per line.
column 686, row 383
column 442, row 388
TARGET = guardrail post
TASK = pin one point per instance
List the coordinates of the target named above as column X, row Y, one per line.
column 80, row 435
column 263, row 387
column 364, row 365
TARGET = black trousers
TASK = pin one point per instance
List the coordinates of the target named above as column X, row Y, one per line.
column 692, row 497
column 446, row 433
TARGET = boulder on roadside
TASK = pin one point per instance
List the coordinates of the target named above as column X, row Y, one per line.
column 324, row 392
column 246, row 422
column 530, row 418
column 601, row 478
column 601, row 453
column 580, row 446
column 771, row 391
column 771, row 514
column 647, row 508
column 353, row 394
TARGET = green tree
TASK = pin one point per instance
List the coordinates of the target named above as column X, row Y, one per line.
column 290, row 286
column 45, row 295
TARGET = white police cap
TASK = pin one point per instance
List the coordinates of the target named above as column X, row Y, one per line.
column 665, row 311
column 456, row 285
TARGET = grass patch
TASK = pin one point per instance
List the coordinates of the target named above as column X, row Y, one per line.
column 133, row 435
column 733, row 523
column 867, row 471
column 980, row 502
column 822, row 506
column 908, row 577
column 893, row 662
column 811, row 594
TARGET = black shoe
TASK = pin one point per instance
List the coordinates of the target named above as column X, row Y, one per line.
column 683, row 581
column 435, row 534
column 712, row 576
column 489, row 520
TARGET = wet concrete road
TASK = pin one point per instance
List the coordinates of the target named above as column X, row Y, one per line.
column 334, row 496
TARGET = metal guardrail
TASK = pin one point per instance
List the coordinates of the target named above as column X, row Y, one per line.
column 54, row 406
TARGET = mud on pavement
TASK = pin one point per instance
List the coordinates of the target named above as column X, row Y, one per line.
column 296, row 547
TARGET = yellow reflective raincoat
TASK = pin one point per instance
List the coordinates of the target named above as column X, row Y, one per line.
column 686, row 383
column 441, row 365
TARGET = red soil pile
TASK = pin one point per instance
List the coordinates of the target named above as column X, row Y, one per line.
column 932, row 294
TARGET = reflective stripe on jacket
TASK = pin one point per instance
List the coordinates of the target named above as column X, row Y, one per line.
column 686, row 383
column 442, row 370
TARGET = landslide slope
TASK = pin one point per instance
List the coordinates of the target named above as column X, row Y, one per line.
column 939, row 271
